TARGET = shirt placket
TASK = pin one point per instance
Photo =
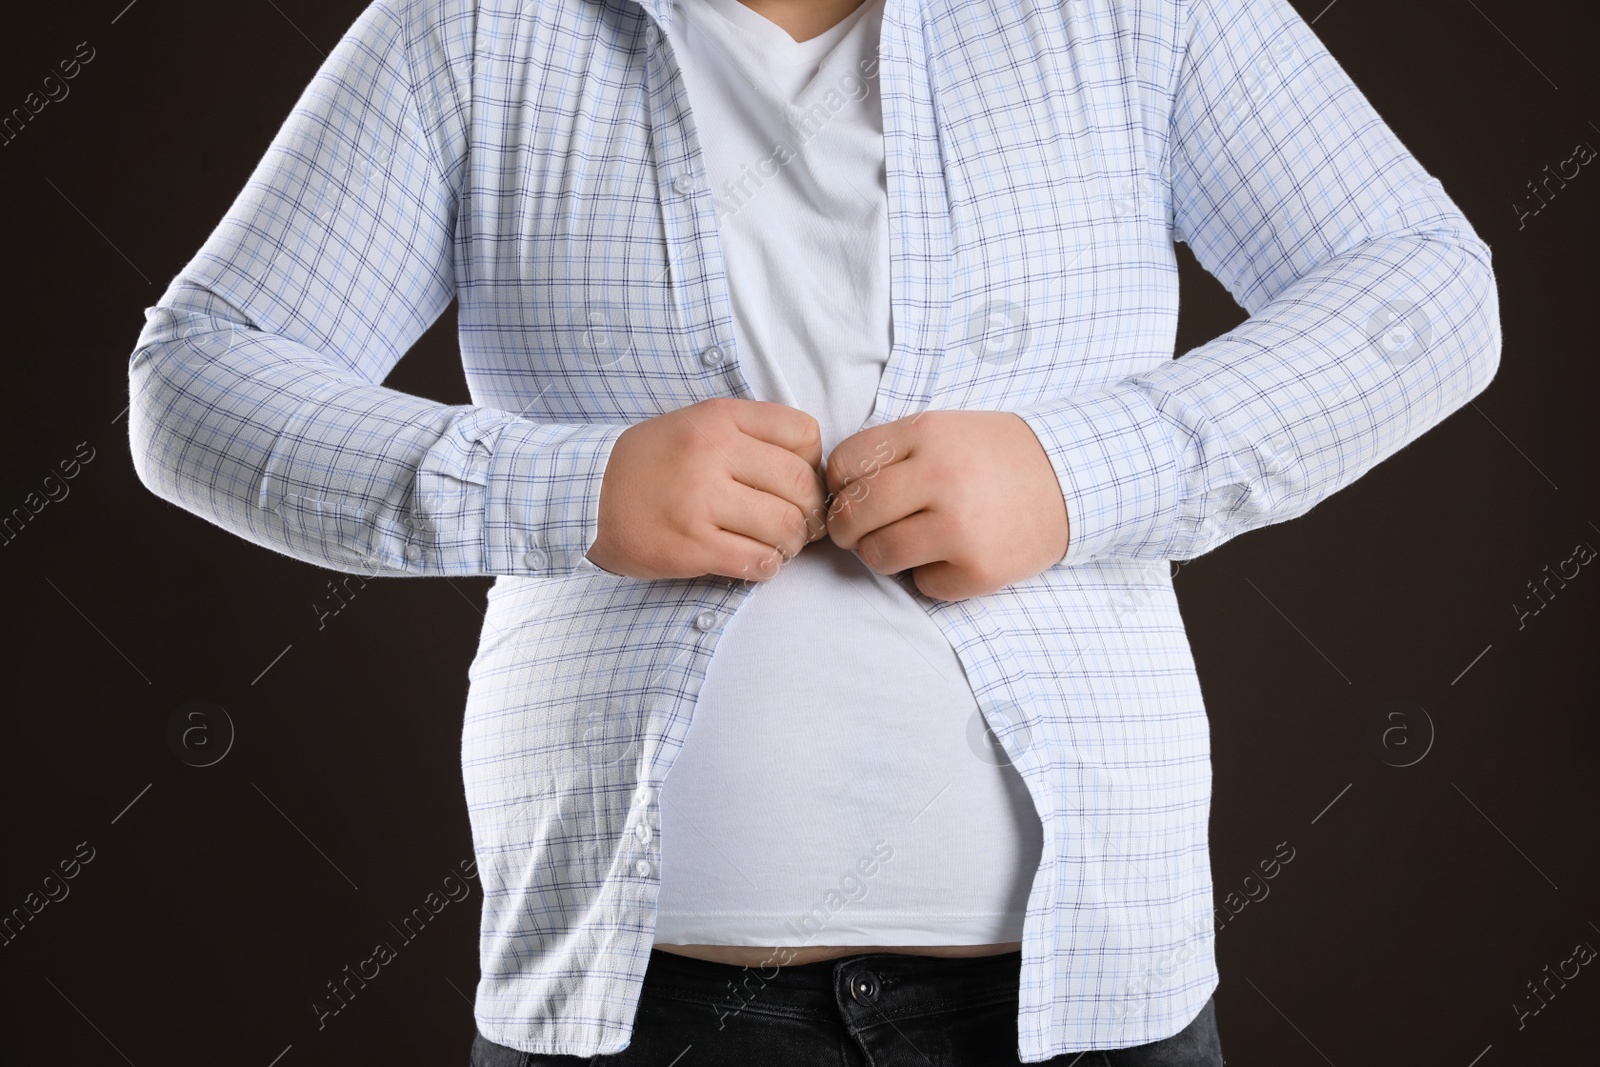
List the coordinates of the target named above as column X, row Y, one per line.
column 695, row 269
column 704, row 340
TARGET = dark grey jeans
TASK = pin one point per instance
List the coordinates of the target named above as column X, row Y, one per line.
column 872, row 1010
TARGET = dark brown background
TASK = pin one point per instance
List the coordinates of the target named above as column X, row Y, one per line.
column 1417, row 905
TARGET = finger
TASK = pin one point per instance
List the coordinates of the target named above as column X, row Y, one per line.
column 774, row 470
column 883, row 496
column 862, row 453
column 779, row 424
column 733, row 555
column 765, row 518
column 913, row 541
column 944, row 580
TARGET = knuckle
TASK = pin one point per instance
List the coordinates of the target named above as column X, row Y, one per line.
column 816, row 522
column 956, row 528
column 871, row 550
column 840, row 517
column 764, row 565
column 803, row 483
column 883, row 550
column 837, row 469
column 792, row 523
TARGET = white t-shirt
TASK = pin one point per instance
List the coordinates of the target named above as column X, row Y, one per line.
column 836, row 786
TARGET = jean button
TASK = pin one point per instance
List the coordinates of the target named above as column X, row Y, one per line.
column 864, row 987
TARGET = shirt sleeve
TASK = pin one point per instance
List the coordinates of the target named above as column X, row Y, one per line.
column 1372, row 303
column 255, row 400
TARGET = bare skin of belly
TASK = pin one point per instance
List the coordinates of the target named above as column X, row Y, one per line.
column 757, row 956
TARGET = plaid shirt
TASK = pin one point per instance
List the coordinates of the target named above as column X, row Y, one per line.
column 539, row 162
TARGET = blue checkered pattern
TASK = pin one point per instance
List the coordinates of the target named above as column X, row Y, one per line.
column 539, row 162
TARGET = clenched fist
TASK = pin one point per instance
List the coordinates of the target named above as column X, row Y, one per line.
column 966, row 500
column 713, row 488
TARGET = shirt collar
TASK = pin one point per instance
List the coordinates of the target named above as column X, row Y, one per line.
column 660, row 10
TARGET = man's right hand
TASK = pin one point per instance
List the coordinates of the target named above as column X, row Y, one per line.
column 712, row 488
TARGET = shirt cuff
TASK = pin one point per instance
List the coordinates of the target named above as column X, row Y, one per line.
column 542, row 508
column 1118, row 470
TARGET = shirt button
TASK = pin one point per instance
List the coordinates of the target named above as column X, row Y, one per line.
column 711, row 356
column 535, row 559
column 684, row 184
column 643, row 868
column 642, row 832
column 705, row 621
column 650, row 34
column 413, row 553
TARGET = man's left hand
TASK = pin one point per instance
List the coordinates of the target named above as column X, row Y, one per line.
column 967, row 500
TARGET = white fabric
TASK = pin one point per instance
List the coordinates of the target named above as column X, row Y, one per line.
column 836, row 786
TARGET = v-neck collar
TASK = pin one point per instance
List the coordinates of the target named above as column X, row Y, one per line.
column 767, row 46
column 775, row 37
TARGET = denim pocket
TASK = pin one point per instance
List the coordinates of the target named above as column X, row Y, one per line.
column 1196, row 1045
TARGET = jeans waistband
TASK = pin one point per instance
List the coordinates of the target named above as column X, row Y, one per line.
column 878, row 983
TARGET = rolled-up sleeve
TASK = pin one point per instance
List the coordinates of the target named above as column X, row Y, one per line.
column 254, row 385
column 1372, row 304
